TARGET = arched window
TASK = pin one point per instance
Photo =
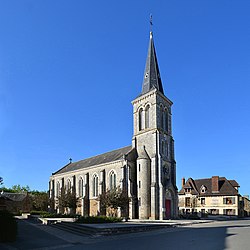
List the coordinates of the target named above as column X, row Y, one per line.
column 161, row 117
column 163, row 148
column 168, row 150
column 140, row 120
column 95, row 185
column 68, row 184
column 58, row 189
column 80, row 187
column 112, row 180
column 203, row 189
column 147, row 117
column 166, row 120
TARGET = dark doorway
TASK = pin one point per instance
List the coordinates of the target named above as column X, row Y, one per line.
column 168, row 209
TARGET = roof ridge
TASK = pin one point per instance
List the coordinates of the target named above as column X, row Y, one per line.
column 102, row 154
column 106, row 157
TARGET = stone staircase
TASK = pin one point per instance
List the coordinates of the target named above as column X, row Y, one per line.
column 74, row 228
column 107, row 229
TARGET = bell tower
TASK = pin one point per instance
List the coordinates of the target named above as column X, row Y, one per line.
column 152, row 138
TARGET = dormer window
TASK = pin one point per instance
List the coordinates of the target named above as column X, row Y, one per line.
column 203, row 189
column 187, row 190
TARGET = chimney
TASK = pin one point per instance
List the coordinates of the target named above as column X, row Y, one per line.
column 215, row 184
column 183, row 182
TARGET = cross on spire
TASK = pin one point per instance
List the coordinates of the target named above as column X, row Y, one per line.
column 151, row 22
column 152, row 78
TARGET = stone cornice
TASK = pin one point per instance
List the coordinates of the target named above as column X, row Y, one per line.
column 149, row 94
column 143, row 97
column 165, row 98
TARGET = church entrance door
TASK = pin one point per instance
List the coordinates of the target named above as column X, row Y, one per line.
column 168, row 209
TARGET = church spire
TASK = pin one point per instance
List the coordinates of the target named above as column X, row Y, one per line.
column 152, row 77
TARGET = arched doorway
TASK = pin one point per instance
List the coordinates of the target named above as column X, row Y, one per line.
column 168, row 204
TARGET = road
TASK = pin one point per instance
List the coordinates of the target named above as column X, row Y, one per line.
column 234, row 235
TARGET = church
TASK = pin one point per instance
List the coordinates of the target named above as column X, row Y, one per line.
column 145, row 170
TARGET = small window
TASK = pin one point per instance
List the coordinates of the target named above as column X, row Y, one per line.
column 163, row 147
column 140, row 120
column 147, row 117
column 203, row 189
column 95, row 185
column 139, row 184
column 166, row 120
column 161, row 118
column 187, row 202
column 213, row 211
column 229, row 200
column 203, row 201
column 168, row 149
column 229, row 211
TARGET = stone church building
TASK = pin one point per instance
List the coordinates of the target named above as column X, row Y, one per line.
column 145, row 170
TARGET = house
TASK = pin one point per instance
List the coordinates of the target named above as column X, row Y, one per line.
column 15, row 202
column 245, row 206
column 144, row 170
column 210, row 196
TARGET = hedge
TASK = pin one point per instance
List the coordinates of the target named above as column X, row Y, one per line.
column 98, row 219
column 52, row 215
column 8, row 227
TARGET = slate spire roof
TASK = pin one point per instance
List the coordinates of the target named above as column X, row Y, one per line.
column 152, row 78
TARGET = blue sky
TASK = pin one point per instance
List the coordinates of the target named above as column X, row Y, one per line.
column 70, row 69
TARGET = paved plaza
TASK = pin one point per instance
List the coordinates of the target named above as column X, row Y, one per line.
column 215, row 235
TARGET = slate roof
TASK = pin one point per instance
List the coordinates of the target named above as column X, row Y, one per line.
column 111, row 156
column 151, row 78
column 13, row 196
column 226, row 187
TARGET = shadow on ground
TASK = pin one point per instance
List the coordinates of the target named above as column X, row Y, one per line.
column 202, row 236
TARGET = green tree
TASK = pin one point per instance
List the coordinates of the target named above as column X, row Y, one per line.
column 113, row 199
column 40, row 200
column 67, row 199
column 19, row 189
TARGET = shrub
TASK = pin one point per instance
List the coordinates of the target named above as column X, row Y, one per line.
column 52, row 215
column 190, row 216
column 34, row 212
column 8, row 227
column 98, row 219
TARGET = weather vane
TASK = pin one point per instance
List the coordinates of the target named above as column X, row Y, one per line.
column 151, row 22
